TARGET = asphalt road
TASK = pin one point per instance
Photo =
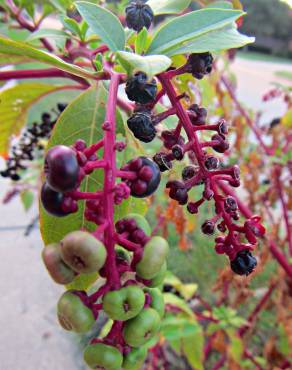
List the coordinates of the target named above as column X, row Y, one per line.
column 30, row 336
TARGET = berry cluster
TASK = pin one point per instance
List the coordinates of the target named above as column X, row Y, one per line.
column 29, row 145
column 131, row 261
column 206, row 169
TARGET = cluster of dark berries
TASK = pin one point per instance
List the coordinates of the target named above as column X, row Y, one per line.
column 145, row 176
column 139, row 15
column 132, row 229
column 29, row 145
column 200, row 65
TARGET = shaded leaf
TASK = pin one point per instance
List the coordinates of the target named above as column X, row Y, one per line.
column 179, row 303
column 220, row 5
column 14, row 105
column 104, row 24
column 27, row 198
column 50, row 33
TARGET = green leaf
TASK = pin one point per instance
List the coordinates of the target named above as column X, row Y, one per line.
column 174, row 327
column 173, row 300
column 141, row 41
column 27, row 197
column 14, row 48
column 190, row 26
column 104, row 24
column 226, row 38
column 71, row 25
column 151, row 65
column 168, row 6
column 186, row 290
column 236, row 347
column 220, row 5
column 83, row 281
column 193, row 349
column 14, row 106
column 82, row 119
column 44, row 32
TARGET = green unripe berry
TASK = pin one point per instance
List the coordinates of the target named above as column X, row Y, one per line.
column 83, row 252
column 157, row 301
column 58, row 270
column 141, row 222
column 102, row 356
column 159, row 278
column 141, row 328
column 125, row 303
column 154, row 255
column 135, row 359
column 73, row 315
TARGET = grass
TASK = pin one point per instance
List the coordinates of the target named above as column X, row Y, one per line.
column 284, row 74
column 252, row 55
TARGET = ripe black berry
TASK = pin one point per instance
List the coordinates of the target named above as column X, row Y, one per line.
column 200, row 65
column 142, row 127
column 140, row 89
column 162, row 162
column 62, row 168
column 230, row 204
column 244, row 263
column 139, row 15
column 52, row 201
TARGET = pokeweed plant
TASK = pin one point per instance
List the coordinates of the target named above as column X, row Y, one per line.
column 92, row 206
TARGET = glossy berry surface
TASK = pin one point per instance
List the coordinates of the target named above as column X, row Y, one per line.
column 62, row 168
column 52, row 201
column 142, row 127
column 139, row 15
column 244, row 263
column 140, row 89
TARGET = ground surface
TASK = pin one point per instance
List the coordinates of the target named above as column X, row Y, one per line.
column 30, row 337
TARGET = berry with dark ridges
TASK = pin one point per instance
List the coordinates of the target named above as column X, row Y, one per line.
column 208, row 227
column 244, row 263
column 222, row 145
column 52, row 201
column 212, row 163
column 140, row 89
column 197, row 115
column 139, row 15
column 189, row 172
column 230, row 204
column 162, row 162
column 200, row 65
column 142, row 127
column 178, row 191
column 62, row 168
column 170, row 139
column 178, row 152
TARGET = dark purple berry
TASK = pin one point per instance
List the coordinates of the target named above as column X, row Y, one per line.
column 189, row 172
column 244, row 263
column 200, row 65
column 222, row 127
column 139, row 15
column 140, row 89
column 212, row 163
column 208, row 227
column 162, row 162
column 197, row 115
column 62, row 168
column 192, row 208
column 62, row 106
column 170, row 139
column 52, row 201
column 230, row 204
column 178, row 152
column 142, row 127
column 222, row 145
column 178, row 191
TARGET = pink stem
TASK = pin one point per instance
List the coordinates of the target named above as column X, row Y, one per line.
column 109, row 183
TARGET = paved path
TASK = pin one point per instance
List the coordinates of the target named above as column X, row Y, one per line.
column 30, row 337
